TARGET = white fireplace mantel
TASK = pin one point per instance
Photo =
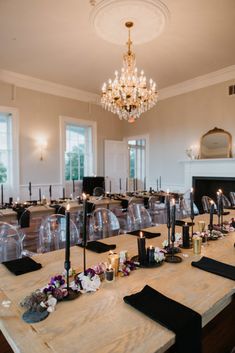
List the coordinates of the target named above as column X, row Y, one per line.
column 221, row 167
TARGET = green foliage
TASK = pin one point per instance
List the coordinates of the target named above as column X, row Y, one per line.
column 3, row 173
column 74, row 163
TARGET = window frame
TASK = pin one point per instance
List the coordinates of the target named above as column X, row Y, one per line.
column 14, row 185
column 140, row 137
column 65, row 120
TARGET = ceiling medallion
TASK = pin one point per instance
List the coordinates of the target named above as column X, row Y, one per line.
column 128, row 95
column 109, row 16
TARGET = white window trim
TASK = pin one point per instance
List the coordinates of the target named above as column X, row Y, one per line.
column 139, row 137
column 14, row 187
column 81, row 122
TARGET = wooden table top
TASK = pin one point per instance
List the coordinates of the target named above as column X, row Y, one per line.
column 101, row 322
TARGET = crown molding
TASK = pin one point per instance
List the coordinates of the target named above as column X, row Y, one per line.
column 225, row 74
column 36, row 84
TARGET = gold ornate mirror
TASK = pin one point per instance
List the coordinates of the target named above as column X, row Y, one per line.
column 216, row 143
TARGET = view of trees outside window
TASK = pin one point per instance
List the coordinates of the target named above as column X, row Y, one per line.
column 5, row 147
column 137, row 158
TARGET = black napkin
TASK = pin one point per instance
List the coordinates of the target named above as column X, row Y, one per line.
column 185, row 322
column 23, row 265
column 23, row 216
column 124, row 204
column 148, row 235
column 216, row 267
column 98, row 247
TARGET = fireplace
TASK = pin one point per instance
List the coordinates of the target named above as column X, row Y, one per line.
column 209, row 186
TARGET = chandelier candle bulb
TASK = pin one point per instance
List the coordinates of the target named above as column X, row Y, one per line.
column 113, row 260
column 186, row 239
column 141, row 249
column 150, row 254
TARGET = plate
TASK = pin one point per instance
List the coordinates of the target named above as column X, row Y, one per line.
column 147, row 265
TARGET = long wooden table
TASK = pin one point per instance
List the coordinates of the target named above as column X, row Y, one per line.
column 101, row 322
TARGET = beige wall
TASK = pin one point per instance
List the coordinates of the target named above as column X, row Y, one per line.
column 39, row 115
column 178, row 122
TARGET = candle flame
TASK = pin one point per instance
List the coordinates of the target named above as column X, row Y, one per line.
column 220, row 191
column 83, row 196
column 211, row 202
column 167, row 191
column 141, row 235
column 110, row 252
column 173, row 202
column 191, row 189
column 68, row 207
column 110, row 267
column 150, row 247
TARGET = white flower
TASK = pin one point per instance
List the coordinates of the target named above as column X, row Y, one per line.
column 165, row 243
column 90, row 284
column 51, row 303
column 158, row 255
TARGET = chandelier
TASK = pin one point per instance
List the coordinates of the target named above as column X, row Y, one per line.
column 128, row 95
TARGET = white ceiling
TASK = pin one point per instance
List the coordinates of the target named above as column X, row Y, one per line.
column 54, row 40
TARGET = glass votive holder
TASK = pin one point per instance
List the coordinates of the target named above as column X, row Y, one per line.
column 109, row 274
column 197, row 245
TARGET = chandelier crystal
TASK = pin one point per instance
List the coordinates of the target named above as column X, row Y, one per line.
column 129, row 95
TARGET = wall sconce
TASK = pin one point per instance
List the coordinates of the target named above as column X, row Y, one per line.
column 42, row 145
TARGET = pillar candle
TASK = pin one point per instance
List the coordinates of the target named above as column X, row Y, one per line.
column 150, row 254
column 191, row 204
column 141, row 248
column 2, row 201
column 173, row 222
column 67, row 245
column 186, row 240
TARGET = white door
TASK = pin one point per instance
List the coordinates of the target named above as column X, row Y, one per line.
column 116, row 167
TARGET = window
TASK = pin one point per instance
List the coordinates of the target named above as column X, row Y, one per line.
column 78, row 142
column 137, row 158
column 9, row 173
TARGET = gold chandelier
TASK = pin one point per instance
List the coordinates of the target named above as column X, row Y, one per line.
column 128, row 95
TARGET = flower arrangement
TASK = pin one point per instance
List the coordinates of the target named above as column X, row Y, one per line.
column 159, row 255
column 87, row 281
column 126, row 267
column 178, row 241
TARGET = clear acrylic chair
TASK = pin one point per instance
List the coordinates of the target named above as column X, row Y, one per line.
column 140, row 216
column 157, row 211
column 225, row 201
column 206, row 203
column 52, row 233
column 124, row 219
column 103, row 224
column 11, row 242
column 232, row 197
column 98, row 191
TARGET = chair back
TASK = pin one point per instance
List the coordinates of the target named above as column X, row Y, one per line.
column 98, row 191
column 11, row 242
column 206, row 203
column 52, row 233
column 225, row 201
column 140, row 216
column 232, row 197
column 104, row 224
column 157, row 210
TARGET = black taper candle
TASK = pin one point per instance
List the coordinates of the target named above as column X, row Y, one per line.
column 67, row 244
column 40, row 195
column 50, row 192
column 73, row 186
column 84, row 235
column 63, row 193
column 2, row 198
column 30, row 190
column 126, row 184
column 110, row 186
column 221, row 208
column 211, row 216
column 218, row 206
column 120, row 185
column 160, row 182
column 145, row 183
column 168, row 213
column 141, row 249
column 173, row 224
column 136, row 185
column 192, row 209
